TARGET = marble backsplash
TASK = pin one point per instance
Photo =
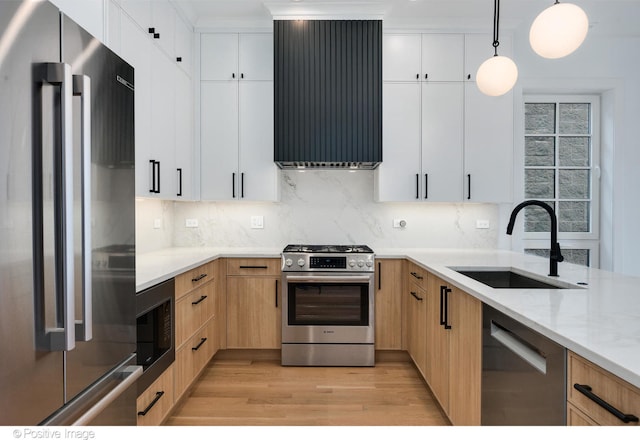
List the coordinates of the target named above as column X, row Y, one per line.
column 320, row 207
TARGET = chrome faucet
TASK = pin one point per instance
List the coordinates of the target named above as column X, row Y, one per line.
column 554, row 252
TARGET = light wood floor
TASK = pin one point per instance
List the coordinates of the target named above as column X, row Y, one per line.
column 262, row 392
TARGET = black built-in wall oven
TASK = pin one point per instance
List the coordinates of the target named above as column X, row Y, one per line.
column 328, row 306
column 155, row 320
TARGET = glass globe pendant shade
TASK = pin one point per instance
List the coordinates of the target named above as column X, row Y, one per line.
column 497, row 75
column 558, row 30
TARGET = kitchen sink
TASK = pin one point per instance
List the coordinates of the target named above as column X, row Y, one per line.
column 510, row 279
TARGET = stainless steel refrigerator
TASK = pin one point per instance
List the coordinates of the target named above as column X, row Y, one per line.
column 67, row 314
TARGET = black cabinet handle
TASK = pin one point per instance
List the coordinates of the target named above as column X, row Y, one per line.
column 442, row 304
column 379, row 275
column 156, row 36
column 276, row 294
column 426, row 75
column 159, row 394
column 153, row 176
column 202, row 298
column 198, row 278
column 242, row 76
column 152, row 30
column 417, row 76
column 179, row 182
column 233, row 185
column 416, row 296
column 242, row 185
column 415, row 275
column 468, row 186
column 197, row 347
column 426, row 186
column 254, row 267
column 469, row 76
column 446, row 291
column 233, row 75
column 587, row 391
column 417, row 186
column 158, row 163
column 179, row 59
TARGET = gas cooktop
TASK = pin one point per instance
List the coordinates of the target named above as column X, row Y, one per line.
column 328, row 249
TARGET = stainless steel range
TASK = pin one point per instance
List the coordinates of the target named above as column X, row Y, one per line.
column 328, row 305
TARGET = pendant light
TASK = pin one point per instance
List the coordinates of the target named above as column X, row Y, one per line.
column 558, row 30
column 497, row 75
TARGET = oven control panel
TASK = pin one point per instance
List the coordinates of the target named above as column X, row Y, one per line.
column 318, row 262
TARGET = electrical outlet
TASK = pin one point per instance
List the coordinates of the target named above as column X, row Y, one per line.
column 399, row 223
column 482, row 224
column 257, row 222
column 157, row 223
column 191, row 223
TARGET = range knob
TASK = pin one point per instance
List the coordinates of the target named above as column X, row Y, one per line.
column 301, row 262
column 360, row 263
column 288, row 262
column 369, row 263
column 352, row 263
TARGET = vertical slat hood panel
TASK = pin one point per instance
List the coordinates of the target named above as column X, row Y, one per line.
column 328, row 93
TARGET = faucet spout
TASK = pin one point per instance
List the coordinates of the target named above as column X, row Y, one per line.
column 555, row 256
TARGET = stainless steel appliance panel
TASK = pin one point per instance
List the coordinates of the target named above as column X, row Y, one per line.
column 31, row 383
column 103, row 203
column 523, row 374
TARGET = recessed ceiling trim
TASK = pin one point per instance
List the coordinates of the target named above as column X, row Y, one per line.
column 343, row 10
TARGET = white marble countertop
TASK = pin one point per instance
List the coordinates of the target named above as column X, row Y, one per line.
column 599, row 321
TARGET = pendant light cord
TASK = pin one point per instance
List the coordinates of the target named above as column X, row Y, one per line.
column 496, row 25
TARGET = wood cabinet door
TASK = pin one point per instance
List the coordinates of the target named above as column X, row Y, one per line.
column 157, row 400
column 437, row 344
column 253, row 312
column 388, row 307
column 416, row 330
column 465, row 358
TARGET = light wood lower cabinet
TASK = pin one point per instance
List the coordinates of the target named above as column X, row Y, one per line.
column 194, row 355
column 155, row 403
column 253, row 303
column 587, row 384
column 388, row 313
column 416, row 317
column 437, row 349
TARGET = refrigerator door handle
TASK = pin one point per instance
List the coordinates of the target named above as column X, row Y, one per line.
column 62, row 336
column 82, row 88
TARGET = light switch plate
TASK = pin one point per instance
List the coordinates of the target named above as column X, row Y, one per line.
column 191, row 223
column 257, row 222
column 482, row 224
column 157, row 223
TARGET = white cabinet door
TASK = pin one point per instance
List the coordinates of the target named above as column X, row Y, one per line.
column 139, row 11
column 184, row 137
column 258, row 173
column 219, row 140
column 163, row 21
column 401, row 57
column 218, row 56
column 184, row 45
column 488, row 153
column 442, row 141
column 256, row 56
column 136, row 50
column 398, row 176
column 442, row 57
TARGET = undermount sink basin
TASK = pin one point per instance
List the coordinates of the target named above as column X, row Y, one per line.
column 509, row 279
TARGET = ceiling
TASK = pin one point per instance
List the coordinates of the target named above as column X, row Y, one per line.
column 607, row 17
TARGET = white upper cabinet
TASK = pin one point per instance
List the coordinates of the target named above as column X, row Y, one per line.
column 237, row 56
column 442, row 57
column 255, row 53
column 164, row 26
column 401, row 57
column 478, row 48
column 184, row 45
column 139, row 11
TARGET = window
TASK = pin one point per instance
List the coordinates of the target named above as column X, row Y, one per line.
column 561, row 168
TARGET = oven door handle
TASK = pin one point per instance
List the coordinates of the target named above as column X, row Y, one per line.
column 329, row 278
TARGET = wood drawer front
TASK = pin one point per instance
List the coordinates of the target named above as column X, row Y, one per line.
column 253, row 266
column 193, row 279
column 608, row 387
column 575, row 417
column 417, row 275
column 192, row 357
column 157, row 412
column 193, row 310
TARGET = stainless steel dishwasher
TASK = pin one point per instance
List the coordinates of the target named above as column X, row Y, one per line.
column 523, row 374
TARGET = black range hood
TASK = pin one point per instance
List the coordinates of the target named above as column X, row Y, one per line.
column 328, row 93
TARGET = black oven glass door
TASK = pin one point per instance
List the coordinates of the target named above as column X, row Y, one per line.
column 339, row 304
column 154, row 334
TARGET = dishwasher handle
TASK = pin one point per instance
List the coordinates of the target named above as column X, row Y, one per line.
column 587, row 391
column 520, row 348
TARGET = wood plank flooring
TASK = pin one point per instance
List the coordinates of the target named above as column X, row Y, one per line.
column 263, row 393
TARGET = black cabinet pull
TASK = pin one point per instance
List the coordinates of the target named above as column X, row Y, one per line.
column 426, row 186
column 179, row 59
column 417, row 186
column 152, row 30
column 159, row 394
column 416, row 296
column 233, row 75
column 202, row 298
column 587, row 391
column 469, row 76
column 242, row 76
column 158, row 163
column 233, row 185
column 417, row 76
column 379, row 275
column 197, row 347
column 198, row 278
column 153, row 176
column 276, row 294
column 469, row 186
column 254, row 267
column 426, row 75
column 242, row 185
column 179, row 194
column 446, row 291
column 415, row 275
column 156, row 36
column 442, row 304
